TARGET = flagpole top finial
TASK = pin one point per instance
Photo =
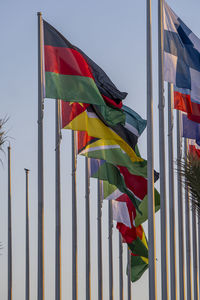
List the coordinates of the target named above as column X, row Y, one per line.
column 39, row 13
column 26, row 170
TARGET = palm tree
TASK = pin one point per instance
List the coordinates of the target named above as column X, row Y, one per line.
column 2, row 133
column 189, row 169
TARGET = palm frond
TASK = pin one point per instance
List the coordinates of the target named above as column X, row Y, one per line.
column 189, row 169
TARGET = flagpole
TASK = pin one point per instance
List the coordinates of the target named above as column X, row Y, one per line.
column 188, row 237
column 99, row 241
column 110, row 227
column 87, row 228
column 40, row 165
column 150, row 163
column 171, row 195
column 121, row 297
column 57, row 203
column 180, row 217
column 194, row 247
column 163, row 211
column 27, row 292
column 74, row 222
column 9, row 228
column 129, row 274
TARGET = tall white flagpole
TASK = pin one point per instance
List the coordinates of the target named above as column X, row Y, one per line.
column 40, row 164
column 180, row 216
column 57, row 203
column 163, row 211
column 188, row 238
column 87, row 228
column 27, row 283
column 121, row 296
column 129, row 273
column 150, row 163
column 110, row 249
column 173, row 281
column 9, row 228
column 99, row 241
column 194, row 248
column 74, row 222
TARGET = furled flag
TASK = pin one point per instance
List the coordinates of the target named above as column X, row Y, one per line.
column 72, row 76
column 190, row 129
column 182, row 63
column 83, row 118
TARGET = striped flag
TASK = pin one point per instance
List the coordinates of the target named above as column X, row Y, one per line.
column 72, row 76
column 190, row 129
column 182, row 63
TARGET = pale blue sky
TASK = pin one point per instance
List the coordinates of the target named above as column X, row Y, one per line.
column 113, row 34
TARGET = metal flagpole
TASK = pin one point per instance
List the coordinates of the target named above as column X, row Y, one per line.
column 188, row 238
column 180, row 217
column 57, row 203
column 194, row 248
column 87, row 227
column 40, row 164
column 74, row 222
column 9, row 229
column 163, row 211
column 99, row 241
column 171, row 196
column 121, row 297
column 198, row 222
column 27, row 291
column 129, row 274
column 110, row 227
column 150, row 163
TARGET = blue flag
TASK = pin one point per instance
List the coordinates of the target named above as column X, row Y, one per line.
column 190, row 129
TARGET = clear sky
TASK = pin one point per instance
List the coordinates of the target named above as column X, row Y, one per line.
column 113, row 34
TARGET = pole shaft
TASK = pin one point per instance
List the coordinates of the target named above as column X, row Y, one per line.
column 180, row 217
column 163, row 212
column 9, row 228
column 87, row 228
column 194, row 247
column 171, row 195
column 129, row 274
column 99, row 241
column 150, row 163
column 74, row 222
column 27, row 238
column 57, row 203
column 110, row 249
column 188, row 238
column 40, row 165
column 121, row 297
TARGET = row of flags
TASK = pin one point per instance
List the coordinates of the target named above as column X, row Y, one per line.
column 108, row 131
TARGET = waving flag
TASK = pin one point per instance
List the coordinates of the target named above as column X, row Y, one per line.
column 190, row 129
column 182, row 63
column 72, row 76
column 135, row 187
column 194, row 149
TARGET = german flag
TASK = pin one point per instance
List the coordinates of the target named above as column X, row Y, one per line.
column 71, row 75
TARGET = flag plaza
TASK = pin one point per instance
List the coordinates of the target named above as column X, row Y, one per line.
column 106, row 132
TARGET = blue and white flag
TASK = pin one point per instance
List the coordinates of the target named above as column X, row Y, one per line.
column 182, row 61
column 190, row 129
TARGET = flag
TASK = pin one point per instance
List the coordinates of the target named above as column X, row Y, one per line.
column 190, row 129
column 111, row 152
column 194, row 149
column 182, row 63
column 135, row 187
column 76, row 117
column 137, row 243
column 72, row 76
